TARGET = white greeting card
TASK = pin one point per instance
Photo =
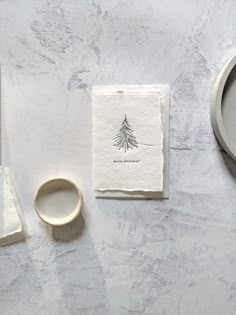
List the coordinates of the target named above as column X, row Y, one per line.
column 129, row 141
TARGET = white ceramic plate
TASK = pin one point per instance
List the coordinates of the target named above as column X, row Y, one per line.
column 223, row 110
column 58, row 201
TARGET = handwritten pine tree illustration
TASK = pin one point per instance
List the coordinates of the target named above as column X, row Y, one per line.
column 125, row 138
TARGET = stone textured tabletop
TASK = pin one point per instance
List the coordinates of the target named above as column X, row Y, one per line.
column 170, row 257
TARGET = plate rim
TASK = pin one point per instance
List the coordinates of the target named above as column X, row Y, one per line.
column 216, row 108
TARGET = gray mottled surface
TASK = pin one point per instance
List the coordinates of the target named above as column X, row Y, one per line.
column 123, row 257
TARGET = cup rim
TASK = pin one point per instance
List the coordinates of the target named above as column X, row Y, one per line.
column 68, row 218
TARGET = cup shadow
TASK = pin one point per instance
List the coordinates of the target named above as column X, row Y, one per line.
column 70, row 231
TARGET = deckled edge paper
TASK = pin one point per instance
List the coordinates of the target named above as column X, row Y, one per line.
column 164, row 99
column 128, row 140
column 12, row 227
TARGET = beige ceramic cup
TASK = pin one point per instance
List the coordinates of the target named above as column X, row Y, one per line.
column 58, row 201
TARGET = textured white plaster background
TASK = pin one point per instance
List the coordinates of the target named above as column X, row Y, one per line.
column 124, row 257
